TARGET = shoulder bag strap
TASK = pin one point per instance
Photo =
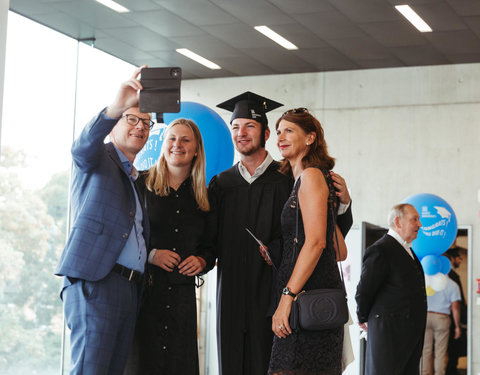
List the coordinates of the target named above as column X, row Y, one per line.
column 295, row 240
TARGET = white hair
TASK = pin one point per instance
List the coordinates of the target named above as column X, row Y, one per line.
column 396, row 211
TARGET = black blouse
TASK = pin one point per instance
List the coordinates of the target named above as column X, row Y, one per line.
column 177, row 224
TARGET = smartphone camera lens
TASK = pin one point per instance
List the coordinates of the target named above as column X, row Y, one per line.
column 175, row 73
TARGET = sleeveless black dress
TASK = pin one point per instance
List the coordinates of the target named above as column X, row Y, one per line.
column 308, row 353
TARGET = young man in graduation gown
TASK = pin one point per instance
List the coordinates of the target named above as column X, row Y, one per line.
column 250, row 195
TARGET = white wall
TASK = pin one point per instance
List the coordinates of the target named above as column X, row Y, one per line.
column 394, row 132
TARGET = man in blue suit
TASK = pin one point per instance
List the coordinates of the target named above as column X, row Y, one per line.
column 103, row 261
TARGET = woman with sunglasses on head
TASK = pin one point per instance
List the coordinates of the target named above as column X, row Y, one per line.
column 177, row 203
column 303, row 147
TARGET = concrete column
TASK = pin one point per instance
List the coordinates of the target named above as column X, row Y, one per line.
column 4, row 5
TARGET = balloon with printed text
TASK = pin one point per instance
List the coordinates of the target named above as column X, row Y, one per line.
column 439, row 225
column 215, row 133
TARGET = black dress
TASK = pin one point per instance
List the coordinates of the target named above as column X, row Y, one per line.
column 308, row 353
column 166, row 331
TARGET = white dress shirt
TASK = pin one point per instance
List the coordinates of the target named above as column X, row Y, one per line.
column 258, row 172
column 406, row 245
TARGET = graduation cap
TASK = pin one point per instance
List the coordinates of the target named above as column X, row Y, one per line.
column 251, row 106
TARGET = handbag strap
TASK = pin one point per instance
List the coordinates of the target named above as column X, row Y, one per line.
column 295, row 240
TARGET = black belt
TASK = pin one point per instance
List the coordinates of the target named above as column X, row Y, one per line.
column 128, row 273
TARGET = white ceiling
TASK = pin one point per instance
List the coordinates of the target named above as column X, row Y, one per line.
column 331, row 34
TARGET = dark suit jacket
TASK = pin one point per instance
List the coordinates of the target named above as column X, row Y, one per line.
column 345, row 221
column 391, row 298
column 103, row 206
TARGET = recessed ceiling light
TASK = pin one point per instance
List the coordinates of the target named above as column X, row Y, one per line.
column 198, row 58
column 413, row 18
column 113, row 5
column 277, row 38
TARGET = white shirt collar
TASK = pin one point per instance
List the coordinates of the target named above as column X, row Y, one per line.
column 258, row 172
column 406, row 245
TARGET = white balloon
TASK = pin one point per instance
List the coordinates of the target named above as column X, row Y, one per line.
column 438, row 281
column 427, row 280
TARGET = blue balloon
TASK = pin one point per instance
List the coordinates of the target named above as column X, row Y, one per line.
column 445, row 264
column 431, row 264
column 215, row 133
column 439, row 224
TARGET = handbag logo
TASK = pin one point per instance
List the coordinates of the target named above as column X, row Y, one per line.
column 324, row 309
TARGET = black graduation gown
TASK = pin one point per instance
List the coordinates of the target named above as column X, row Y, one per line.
column 244, row 290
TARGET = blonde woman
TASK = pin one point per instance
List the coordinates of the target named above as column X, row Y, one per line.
column 179, row 249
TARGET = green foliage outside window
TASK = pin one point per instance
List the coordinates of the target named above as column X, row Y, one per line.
column 32, row 236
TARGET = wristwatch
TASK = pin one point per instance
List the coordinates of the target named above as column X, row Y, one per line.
column 288, row 292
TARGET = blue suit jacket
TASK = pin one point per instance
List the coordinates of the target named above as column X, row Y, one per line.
column 103, row 206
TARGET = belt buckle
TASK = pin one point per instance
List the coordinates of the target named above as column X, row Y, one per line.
column 131, row 275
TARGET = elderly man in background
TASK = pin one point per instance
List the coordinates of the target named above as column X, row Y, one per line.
column 391, row 299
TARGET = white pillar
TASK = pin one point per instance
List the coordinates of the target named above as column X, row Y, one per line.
column 4, row 5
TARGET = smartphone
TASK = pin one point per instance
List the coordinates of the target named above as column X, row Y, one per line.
column 161, row 90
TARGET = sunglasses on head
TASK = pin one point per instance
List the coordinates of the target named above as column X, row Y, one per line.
column 296, row 110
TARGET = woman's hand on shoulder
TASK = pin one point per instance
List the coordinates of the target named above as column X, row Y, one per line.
column 166, row 259
column 192, row 265
column 340, row 188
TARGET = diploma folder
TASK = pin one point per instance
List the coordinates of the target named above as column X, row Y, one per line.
column 261, row 244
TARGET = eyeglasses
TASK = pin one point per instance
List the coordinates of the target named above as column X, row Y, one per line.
column 133, row 120
column 296, row 110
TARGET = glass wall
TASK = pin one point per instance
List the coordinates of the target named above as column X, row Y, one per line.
column 41, row 107
column 53, row 86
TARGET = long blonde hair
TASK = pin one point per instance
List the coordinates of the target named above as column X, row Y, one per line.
column 157, row 176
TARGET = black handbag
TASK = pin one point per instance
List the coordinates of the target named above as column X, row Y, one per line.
column 318, row 309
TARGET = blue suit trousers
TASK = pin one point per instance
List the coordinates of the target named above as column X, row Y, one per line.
column 101, row 316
